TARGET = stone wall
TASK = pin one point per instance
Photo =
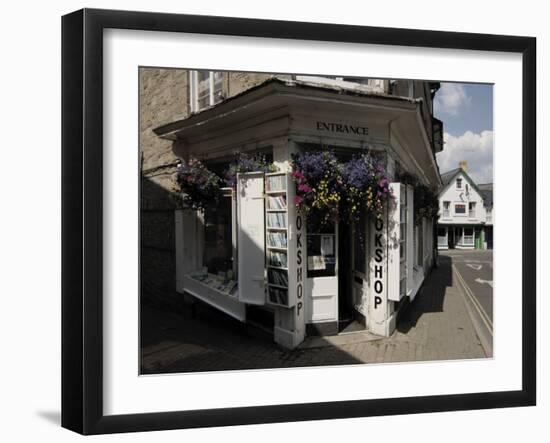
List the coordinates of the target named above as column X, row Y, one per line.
column 238, row 82
column 163, row 98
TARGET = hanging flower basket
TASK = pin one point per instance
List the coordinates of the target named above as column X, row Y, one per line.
column 199, row 186
column 319, row 186
column 333, row 190
column 244, row 163
column 366, row 185
column 426, row 202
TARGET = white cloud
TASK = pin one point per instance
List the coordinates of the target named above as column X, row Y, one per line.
column 476, row 149
column 450, row 98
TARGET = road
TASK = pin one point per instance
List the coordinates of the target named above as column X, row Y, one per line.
column 475, row 273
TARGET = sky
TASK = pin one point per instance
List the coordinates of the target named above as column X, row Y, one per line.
column 466, row 111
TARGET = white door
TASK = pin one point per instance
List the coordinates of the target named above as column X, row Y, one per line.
column 251, row 237
column 322, row 275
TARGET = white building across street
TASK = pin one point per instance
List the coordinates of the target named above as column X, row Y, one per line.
column 466, row 212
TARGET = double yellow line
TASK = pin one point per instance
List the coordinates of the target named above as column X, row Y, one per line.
column 484, row 317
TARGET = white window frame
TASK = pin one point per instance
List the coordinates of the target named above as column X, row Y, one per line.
column 372, row 85
column 194, row 90
column 459, row 183
column 443, row 240
column 447, row 210
column 472, row 209
column 460, row 214
column 464, row 243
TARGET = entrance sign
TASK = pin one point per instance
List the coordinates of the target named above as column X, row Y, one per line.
column 342, row 128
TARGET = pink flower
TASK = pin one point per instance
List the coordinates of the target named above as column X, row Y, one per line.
column 304, row 188
column 298, row 200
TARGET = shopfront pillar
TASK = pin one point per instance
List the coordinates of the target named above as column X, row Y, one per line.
column 289, row 330
column 385, row 270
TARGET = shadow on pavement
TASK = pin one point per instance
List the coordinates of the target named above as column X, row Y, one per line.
column 198, row 338
column 431, row 295
column 201, row 339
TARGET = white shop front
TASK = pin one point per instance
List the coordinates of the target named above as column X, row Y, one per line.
column 254, row 252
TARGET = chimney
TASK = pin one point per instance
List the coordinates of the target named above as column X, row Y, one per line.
column 463, row 164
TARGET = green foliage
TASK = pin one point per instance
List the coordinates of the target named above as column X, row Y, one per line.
column 426, row 203
column 199, row 186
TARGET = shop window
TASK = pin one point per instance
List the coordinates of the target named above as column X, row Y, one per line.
column 458, row 183
column 460, row 208
column 403, row 240
column 321, row 250
column 441, row 236
column 206, row 89
column 468, row 238
column 218, row 244
column 419, row 237
column 472, row 209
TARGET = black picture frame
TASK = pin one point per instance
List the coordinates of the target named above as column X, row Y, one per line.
column 82, row 159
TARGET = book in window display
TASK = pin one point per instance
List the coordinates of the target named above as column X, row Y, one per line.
column 276, row 183
column 277, row 239
column 277, row 259
column 277, row 202
column 276, row 220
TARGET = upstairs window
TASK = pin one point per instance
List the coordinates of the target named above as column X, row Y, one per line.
column 205, row 89
column 458, row 183
column 472, row 209
column 446, row 208
column 460, row 208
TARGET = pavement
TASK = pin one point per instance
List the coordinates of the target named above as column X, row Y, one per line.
column 437, row 326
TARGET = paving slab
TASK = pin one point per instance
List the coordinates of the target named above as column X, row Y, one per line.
column 437, row 326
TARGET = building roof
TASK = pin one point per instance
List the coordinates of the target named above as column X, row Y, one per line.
column 357, row 90
column 447, row 177
column 239, row 114
column 486, row 190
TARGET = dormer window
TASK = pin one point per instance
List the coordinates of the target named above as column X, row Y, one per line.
column 458, row 183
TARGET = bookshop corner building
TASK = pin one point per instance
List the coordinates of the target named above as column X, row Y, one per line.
column 253, row 256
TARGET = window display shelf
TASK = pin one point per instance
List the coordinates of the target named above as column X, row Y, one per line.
column 280, row 239
column 228, row 303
